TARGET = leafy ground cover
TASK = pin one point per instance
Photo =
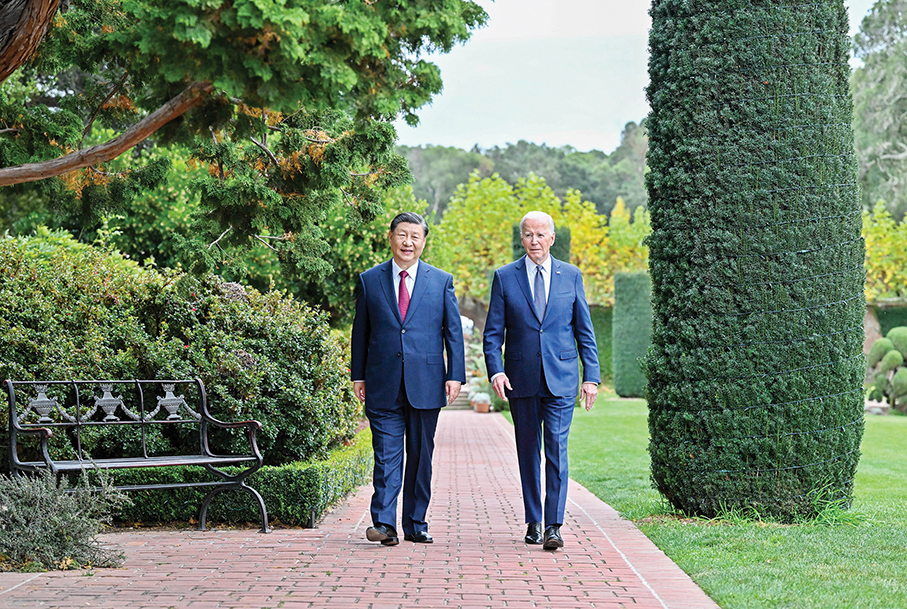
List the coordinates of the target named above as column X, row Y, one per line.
column 741, row 563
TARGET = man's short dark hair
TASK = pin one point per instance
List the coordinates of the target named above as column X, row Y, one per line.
column 410, row 218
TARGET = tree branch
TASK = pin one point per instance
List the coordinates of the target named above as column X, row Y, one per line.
column 266, row 244
column 98, row 109
column 266, row 151
column 229, row 228
column 179, row 105
column 23, row 24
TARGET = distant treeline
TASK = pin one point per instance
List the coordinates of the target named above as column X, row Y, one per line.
column 600, row 177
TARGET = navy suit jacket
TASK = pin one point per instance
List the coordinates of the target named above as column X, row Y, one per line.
column 386, row 348
column 554, row 344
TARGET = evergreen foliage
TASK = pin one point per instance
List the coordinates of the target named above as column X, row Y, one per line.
column 632, row 332
column 288, row 106
column 602, row 320
column 891, row 318
column 755, row 376
column 880, row 100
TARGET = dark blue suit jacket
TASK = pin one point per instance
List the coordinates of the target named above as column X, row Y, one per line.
column 385, row 348
column 560, row 340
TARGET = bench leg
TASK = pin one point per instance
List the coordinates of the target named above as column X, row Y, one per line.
column 203, row 512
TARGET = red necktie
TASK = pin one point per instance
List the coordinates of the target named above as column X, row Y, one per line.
column 404, row 295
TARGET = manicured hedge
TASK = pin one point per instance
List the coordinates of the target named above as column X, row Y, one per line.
column 632, row 331
column 891, row 317
column 756, row 259
column 295, row 494
column 601, row 321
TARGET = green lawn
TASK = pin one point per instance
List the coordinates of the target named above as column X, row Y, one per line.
column 757, row 565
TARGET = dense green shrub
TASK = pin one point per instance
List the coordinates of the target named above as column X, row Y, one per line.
column 71, row 311
column 293, row 493
column 49, row 525
column 632, row 332
column 602, row 322
column 756, row 259
column 887, row 368
column 891, row 317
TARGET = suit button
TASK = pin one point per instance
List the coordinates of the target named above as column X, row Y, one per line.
column 403, row 331
column 539, row 354
column 541, row 331
column 399, row 354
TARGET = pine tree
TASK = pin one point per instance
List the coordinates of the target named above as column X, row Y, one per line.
column 755, row 376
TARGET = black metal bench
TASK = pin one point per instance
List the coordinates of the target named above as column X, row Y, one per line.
column 63, row 417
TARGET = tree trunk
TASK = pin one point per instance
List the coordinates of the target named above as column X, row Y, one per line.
column 80, row 159
column 23, row 24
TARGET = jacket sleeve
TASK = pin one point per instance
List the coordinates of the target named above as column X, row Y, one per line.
column 453, row 335
column 360, row 335
column 493, row 338
column 585, row 335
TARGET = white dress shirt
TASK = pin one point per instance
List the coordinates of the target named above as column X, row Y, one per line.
column 410, row 278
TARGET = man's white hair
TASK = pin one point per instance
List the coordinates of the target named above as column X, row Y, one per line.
column 537, row 215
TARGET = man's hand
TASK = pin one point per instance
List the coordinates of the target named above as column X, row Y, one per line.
column 453, row 390
column 359, row 390
column 499, row 383
column 590, row 392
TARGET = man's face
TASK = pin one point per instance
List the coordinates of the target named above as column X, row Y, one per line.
column 407, row 243
column 537, row 237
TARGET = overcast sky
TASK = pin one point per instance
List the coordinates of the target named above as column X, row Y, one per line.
column 555, row 72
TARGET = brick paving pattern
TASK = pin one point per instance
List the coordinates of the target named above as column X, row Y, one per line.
column 478, row 558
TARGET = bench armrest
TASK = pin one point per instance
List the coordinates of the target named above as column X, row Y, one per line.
column 254, row 425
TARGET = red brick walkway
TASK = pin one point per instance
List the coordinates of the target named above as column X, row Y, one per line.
column 478, row 558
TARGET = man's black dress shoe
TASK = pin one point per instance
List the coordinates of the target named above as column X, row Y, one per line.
column 383, row 533
column 534, row 533
column 553, row 539
column 419, row 537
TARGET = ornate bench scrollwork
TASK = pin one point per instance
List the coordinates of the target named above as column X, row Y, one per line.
column 52, row 406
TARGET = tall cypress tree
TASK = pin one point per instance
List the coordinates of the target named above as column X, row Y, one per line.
column 754, row 379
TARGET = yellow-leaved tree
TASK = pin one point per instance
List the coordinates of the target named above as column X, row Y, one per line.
column 886, row 255
column 476, row 234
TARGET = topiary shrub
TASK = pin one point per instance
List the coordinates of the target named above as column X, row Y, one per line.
column 71, row 311
column 887, row 368
column 632, row 332
column 755, row 376
column 602, row 322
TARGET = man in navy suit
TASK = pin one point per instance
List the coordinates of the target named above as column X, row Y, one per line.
column 406, row 318
column 538, row 313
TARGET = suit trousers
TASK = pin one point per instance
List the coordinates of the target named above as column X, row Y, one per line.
column 393, row 429
column 543, row 416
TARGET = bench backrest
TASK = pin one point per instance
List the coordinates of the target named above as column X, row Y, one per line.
column 85, row 414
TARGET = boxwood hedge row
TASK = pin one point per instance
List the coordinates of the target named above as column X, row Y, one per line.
column 756, row 257
column 296, row 494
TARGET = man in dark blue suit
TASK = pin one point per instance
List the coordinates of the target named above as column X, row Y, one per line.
column 538, row 313
column 406, row 318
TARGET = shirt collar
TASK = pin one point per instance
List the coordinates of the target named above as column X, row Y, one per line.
column 545, row 265
column 411, row 271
